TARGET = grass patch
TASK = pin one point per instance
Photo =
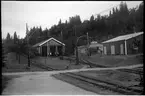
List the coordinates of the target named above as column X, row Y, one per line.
column 12, row 65
column 56, row 63
column 115, row 61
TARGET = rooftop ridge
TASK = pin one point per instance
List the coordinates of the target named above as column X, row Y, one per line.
column 123, row 37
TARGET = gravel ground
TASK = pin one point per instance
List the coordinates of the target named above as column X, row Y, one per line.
column 41, row 84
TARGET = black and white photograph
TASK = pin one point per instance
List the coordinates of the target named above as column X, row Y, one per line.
column 72, row 47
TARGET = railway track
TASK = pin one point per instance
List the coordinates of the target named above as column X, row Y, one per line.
column 42, row 66
column 140, row 72
column 92, row 65
column 103, row 84
column 86, row 62
column 48, row 67
column 67, row 58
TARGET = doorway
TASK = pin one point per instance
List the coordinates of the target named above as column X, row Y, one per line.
column 105, row 50
column 44, row 50
column 121, row 49
column 112, row 49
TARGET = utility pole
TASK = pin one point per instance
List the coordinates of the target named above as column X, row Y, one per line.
column 19, row 48
column 27, row 38
column 76, row 48
column 88, row 43
column 62, row 46
column 87, row 40
column 77, row 57
column 28, row 46
column 134, row 29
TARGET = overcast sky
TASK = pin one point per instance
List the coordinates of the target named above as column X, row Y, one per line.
column 15, row 14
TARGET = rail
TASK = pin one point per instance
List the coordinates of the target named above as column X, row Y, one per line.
column 120, row 89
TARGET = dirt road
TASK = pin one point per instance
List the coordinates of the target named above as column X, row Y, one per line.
column 41, row 83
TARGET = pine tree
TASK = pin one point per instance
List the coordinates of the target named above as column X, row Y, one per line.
column 8, row 38
column 15, row 37
column 116, row 10
column 113, row 10
column 92, row 18
column 65, row 21
column 59, row 22
column 110, row 13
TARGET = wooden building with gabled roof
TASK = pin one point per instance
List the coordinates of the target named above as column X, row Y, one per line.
column 124, row 45
column 51, row 46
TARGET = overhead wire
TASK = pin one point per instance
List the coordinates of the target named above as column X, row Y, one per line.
column 104, row 11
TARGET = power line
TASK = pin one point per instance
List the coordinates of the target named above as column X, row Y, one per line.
column 104, row 11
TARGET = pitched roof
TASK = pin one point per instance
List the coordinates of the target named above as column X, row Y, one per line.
column 43, row 42
column 96, row 45
column 123, row 37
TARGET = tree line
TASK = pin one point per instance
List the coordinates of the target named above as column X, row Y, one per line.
column 120, row 21
column 17, row 45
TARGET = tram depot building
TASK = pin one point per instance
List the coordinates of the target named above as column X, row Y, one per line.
column 124, row 45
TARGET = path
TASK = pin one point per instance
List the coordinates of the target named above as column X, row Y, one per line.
column 78, row 70
column 41, row 83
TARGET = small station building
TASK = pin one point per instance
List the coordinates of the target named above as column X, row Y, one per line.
column 50, row 46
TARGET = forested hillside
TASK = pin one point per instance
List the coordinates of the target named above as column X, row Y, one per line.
column 120, row 21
